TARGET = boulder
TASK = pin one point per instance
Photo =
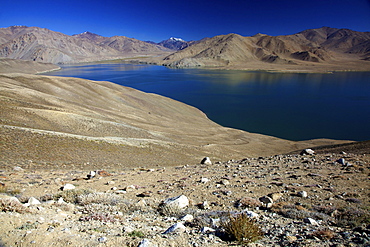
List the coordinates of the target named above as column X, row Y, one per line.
column 33, row 201
column 206, row 161
column 178, row 202
column 302, row 194
column 275, row 196
column 176, row 228
column 267, row 201
column 68, row 187
column 307, row 151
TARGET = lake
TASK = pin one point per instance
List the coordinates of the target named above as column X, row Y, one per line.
column 293, row 106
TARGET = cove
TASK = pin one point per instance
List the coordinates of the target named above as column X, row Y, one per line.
column 293, row 106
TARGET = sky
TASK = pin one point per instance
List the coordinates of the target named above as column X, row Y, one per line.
column 187, row 19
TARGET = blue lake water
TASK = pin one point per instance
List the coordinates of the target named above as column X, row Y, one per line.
column 294, row 106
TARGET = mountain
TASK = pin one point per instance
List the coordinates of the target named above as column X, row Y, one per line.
column 325, row 46
column 175, row 43
column 43, row 45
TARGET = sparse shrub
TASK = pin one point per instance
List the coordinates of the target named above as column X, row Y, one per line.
column 12, row 205
column 9, row 191
column 325, row 234
column 99, row 198
column 103, row 217
column 71, row 195
column 136, row 233
column 352, row 217
column 242, row 228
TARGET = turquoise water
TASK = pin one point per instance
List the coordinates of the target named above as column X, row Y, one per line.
column 292, row 106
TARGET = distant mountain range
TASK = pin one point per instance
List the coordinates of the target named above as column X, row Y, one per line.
column 322, row 46
column 43, row 45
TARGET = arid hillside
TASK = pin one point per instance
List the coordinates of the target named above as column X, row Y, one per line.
column 69, row 120
column 21, row 66
column 316, row 49
column 43, row 45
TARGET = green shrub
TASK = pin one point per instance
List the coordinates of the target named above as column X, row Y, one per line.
column 242, row 228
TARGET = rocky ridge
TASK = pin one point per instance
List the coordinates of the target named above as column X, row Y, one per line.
column 43, row 45
column 323, row 47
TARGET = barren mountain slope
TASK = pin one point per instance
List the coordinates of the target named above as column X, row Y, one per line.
column 20, row 66
column 315, row 49
column 43, row 45
column 54, row 119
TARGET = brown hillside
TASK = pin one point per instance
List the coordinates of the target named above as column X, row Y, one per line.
column 69, row 120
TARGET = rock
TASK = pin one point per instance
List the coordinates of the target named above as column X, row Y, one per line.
column 307, row 151
column 206, row 161
column 204, row 180
column 206, row 229
column 275, row 196
column 187, row 218
column 251, row 214
column 204, row 205
column 291, row 238
column 225, row 182
column 18, row 168
column 302, row 194
column 178, row 202
column 146, row 243
column 103, row 173
column 91, row 174
column 310, row 221
column 130, row 188
column 102, row 239
column 267, row 201
column 68, row 187
column 145, row 194
column 341, row 161
column 33, row 201
column 176, row 228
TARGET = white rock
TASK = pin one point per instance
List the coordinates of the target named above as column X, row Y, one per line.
column 302, row 194
column 18, row 168
column 267, row 201
column 176, row 228
column 33, row 201
column 251, row 214
column 206, row 161
column 204, row 180
column 206, row 229
column 178, row 202
column 146, row 243
column 91, row 174
column 68, row 187
column 311, row 221
column 307, row 151
column 187, row 218
column 225, row 182
column 61, row 200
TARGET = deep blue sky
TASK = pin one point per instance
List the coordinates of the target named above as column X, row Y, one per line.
column 187, row 19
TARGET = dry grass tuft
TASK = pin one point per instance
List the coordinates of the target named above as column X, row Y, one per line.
column 242, row 228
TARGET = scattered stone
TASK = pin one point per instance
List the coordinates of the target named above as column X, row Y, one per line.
column 91, row 174
column 204, row 205
column 302, row 194
column 176, row 228
column 275, row 196
column 102, row 239
column 68, row 187
column 204, row 180
column 103, row 173
column 130, row 188
column 225, row 182
column 146, row 243
column 187, row 218
column 251, row 214
column 110, row 183
column 18, row 168
column 267, row 201
column 145, row 194
column 206, row 230
column 310, row 221
column 206, row 161
column 341, row 161
column 307, row 151
column 177, row 202
column 33, row 201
